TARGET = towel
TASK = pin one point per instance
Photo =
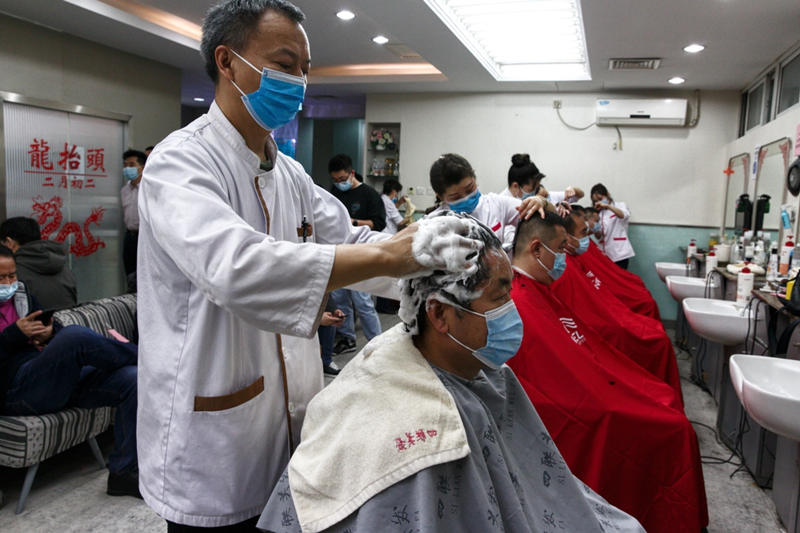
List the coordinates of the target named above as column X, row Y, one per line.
column 385, row 417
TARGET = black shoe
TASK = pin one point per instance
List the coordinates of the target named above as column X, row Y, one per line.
column 331, row 369
column 344, row 346
column 124, row 484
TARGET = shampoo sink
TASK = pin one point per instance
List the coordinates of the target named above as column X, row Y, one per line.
column 719, row 321
column 769, row 389
column 681, row 287
column 672, row 269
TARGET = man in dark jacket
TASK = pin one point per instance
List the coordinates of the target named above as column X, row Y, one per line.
column 45, row 367
column 42, row 265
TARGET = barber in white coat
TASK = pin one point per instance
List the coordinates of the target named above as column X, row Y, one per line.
column 237, row 249
column 614, row 218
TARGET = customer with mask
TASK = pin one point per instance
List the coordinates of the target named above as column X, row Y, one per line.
column 614, row 219
column 45, row 367
column 41, row 264
column 524, row 180
column 132, row 167
column 620, row 429
column 454, row 182
column 238, row 248
column 427, row 429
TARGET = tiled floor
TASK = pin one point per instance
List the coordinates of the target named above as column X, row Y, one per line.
column 69, row 492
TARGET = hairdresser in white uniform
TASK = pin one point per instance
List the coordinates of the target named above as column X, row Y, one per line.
column 237, row 249
column 614, row 218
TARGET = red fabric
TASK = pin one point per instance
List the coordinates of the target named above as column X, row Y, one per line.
column 626, row 286
column 618, row 434
column 8, row 314
column 640, row 337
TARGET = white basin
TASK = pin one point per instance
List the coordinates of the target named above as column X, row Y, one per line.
column 681, row 287
column 769, row 389
column 719, row 321
column 665, row 269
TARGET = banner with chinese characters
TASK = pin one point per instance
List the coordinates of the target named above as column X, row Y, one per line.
column 64, row 170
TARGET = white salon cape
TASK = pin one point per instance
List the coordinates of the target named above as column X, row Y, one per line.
column 226, row 290
column 614, row 241
column 497, row 211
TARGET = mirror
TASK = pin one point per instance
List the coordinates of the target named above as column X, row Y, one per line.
column 737, row 172
column 773, row 162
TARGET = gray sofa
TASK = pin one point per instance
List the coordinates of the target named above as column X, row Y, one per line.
column 26, row 441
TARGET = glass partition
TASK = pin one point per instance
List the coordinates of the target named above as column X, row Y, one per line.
column 773, row 161
column 737, row 172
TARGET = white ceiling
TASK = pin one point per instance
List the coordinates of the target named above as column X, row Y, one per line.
column 742, row 37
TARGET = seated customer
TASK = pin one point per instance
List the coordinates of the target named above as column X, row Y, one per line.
column 640, row 337
column 45, row 368
column 621, row 430
column 426, row 429
column 41, row 264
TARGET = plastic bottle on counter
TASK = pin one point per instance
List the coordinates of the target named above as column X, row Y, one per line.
column 785, row 258
column 691, row 250
column 711, row 262
column 772, row 265
column 744, row 286
column 795, row 257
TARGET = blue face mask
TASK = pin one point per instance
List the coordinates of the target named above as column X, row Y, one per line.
column 559, row 264
column 596, row 228
column 583, row 245
column 394, row 199
column 503, row 337
column 528, row 194
column 130, row 173
column 466, row 204
column 344, row 186
column 7, row 291
column 278, row 98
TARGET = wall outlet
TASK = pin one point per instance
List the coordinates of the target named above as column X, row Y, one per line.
column 556, row 104
column 412, row 191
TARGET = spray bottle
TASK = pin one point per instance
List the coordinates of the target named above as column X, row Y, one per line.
column 744, row 286
column 772, row 266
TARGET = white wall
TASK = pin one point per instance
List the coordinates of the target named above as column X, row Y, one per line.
column 42, row 63
column 666, row 175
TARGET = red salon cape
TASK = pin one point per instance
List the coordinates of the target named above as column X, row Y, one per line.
column 640, row 337
column 616, row 436
column 626, row 286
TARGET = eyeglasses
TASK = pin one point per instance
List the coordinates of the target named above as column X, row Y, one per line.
column 12, row 277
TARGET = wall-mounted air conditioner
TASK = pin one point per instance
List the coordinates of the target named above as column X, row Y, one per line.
column 642, row 112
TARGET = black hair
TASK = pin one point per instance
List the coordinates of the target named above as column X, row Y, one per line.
column 5, row 251
column 577, row 208
column 21, row 229
column 599, row 188
column 590, row 210
column 449, row 170
column 340, row 162
column 536, row 226
column 415, row 291
column 390, row 186
column 523, row 171
column 232, row 23
column 569, row 223
column 140, row 157
column 149, row 148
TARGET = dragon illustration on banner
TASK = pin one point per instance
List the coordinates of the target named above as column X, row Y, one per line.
column 48, row 214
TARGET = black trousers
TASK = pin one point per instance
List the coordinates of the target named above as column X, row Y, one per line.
column 247, row 526
column 623, row 263
column 129, row 245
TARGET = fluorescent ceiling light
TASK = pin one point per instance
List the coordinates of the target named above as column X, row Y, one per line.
column 520, row 40
column 676, row 80
column 196, row 99
column 694, row 48
column 380, row 39
column 344, row 14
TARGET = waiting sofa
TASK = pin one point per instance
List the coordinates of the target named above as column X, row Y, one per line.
column 26, row 441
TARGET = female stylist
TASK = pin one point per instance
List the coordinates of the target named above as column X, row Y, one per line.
column 614, row 217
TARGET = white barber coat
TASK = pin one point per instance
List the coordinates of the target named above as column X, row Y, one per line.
column 221, row 272
column 614, row 241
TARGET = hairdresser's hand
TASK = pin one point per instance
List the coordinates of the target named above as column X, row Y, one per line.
column 531, row 205
column 600, row 206
column 563, row 209
column 442, row 243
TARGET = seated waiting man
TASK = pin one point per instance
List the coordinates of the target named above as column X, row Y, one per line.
column 45, row 367
column 427, row 429
column 41, row 263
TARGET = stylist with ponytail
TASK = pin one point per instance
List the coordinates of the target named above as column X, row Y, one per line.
column 614, row 217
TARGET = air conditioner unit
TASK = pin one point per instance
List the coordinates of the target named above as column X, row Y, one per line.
column 643, row 112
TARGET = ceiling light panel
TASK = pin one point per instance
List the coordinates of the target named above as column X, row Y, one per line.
column 520, row 40
column 346, row 14
column 694, row 48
